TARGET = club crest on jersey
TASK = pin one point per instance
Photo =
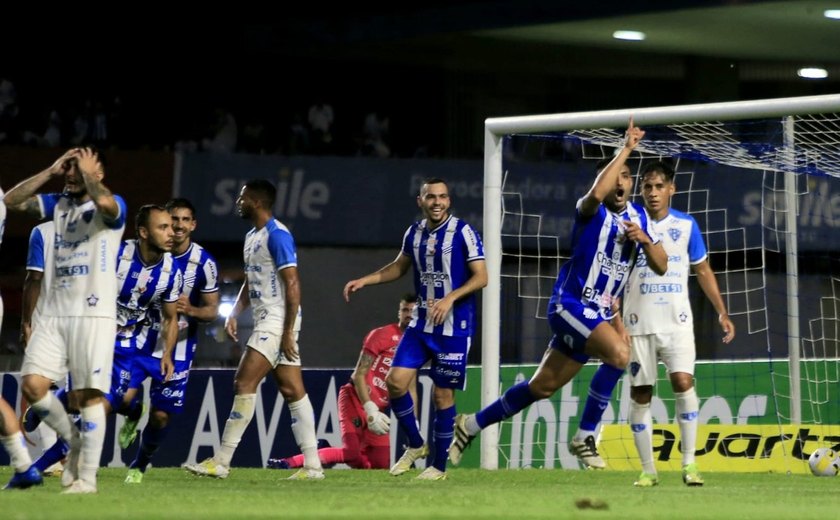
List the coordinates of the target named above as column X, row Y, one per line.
column 674, row 233
column 430, row 246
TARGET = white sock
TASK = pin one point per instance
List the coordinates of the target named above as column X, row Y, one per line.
column 52, row 412
column 16, row 448
column 303, row 428
column 471, row 425
column 240, row 417
column 48, row 436
column 93, row 437
column 583, row 434
column 642, row 425
column 687, row 408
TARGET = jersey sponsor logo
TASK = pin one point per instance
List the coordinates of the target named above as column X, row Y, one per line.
column 168, row 392
column 434, row 278
column 253, row 268
column 453, row 356
column 660, row 288
column 612, row 267
column 72, row 270
column 62, row 243
column 634, row 318
column 593, row 295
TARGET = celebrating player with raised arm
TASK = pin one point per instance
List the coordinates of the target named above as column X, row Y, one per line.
column 608, row 236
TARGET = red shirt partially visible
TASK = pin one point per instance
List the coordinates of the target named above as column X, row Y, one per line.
column 381, row 344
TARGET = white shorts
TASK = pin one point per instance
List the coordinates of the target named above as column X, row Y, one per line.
column 82, row 346
column 268, row 344
column 674, row 349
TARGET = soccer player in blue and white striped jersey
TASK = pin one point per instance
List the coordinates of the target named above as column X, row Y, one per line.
column 272, row 289
column 609, row 234
column 199, row 302
column 447, row 258
column 147, row 275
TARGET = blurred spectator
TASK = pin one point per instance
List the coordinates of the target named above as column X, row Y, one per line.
column 81, row 125
column 8, row 110
column 321, row 119
column 375, row 131
column 226, row 133
column 51, row 137
column 298, row 136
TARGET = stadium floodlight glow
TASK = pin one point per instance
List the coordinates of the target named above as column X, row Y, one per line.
column 834, row 14
column 635, row 36
column 812, row 73
column 225, row 308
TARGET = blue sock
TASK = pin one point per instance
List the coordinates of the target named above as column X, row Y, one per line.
column 516, row 398
column 149, row 443
column 444, row 431
column 54, row 454
column 403, row 408
column 600, row 390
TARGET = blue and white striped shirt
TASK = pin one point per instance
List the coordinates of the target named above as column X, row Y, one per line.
column 139, row 286
column 441, row 258
column 602, row 258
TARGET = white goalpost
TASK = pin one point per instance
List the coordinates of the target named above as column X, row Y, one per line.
column 802, row 152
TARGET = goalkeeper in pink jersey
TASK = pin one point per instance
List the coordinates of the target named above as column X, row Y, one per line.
column 363, row 402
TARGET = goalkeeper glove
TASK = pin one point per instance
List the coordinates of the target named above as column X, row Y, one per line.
column 377, row 422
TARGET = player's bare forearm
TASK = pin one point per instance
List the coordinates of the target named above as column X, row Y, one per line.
column 169, row 328
column 291, row 283
column 21, row 198
column 476, row 282
column 105, row 201
column 243, row 300
column 606, row 179
column 708, row 283
column 31, row 292
column 388, row 273
column 358, row 377
column 208, row 310
column 657, row 257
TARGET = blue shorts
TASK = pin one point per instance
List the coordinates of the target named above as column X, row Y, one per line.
column 448, row 355
column 167, row 396
column 572, row 323
column 120, row 375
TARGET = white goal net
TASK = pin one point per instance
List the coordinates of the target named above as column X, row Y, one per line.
column 762, row 179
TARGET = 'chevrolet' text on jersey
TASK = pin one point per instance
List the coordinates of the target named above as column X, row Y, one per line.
column 381, row 344
column 39, row 257
column 267, row 251
column 85, row 253
column 140, row 286
column 602, row 260
column 660, row 303
column 441, row 258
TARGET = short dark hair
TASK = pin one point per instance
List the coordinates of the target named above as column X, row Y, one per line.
column 264, row 190
column 434, row 180
column 661, row 167
column 142, row 217
column 408, row 297
column 182, row 203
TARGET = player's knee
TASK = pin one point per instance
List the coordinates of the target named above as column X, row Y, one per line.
column 641, row 394
column 159, row 419
column 619, row 358
column 33, row 389
column 396, row 387
column 682, row 382
column 542, row 389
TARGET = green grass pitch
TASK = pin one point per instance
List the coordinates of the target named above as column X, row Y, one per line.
column 469, row 493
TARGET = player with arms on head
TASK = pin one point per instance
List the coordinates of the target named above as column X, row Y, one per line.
column 79, row 319
column 272, row 288
column 447, row 258
column 363, row 402
column 608, row 235
column 660, row 324
column 198, row 302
